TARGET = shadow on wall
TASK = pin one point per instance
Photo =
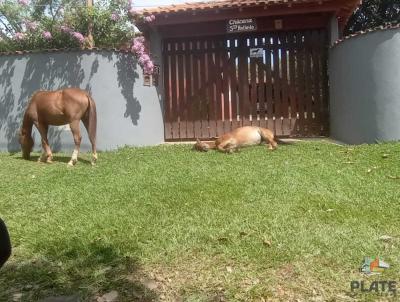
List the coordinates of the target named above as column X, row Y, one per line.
column 7, row 119
column 127, row 69
column 58, row 71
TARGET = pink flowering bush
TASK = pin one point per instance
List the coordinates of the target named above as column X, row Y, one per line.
column 63, row 24
column 114, row 16
column 47, row 35
column 149, row 19
column 78, row 36
column 144, row 60
column 23, row 2
column 31, row 25
column 65, row 29
column 138, row 46
column 19, row 36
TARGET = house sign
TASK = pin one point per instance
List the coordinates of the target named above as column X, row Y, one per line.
column 241, row 25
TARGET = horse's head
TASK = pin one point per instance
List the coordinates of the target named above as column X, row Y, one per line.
column 200, row 146
column 26, row 141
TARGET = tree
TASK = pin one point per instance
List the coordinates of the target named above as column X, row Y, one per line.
column 373, row 13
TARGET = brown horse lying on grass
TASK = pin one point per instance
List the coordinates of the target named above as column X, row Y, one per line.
column 61, row 107
column 240, row 137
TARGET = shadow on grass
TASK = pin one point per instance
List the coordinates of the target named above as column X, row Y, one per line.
column 57, row 158
column 85, row 271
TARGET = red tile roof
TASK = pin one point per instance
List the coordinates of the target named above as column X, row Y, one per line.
column 222, row 4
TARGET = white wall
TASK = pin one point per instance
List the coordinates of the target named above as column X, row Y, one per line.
column 128, row 112
column 364, row 74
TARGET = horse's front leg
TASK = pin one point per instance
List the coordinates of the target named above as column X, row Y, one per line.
column 227, row 147
column 47, row 155
column 76, row 133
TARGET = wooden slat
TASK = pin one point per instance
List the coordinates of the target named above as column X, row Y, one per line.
column 182, row 110
column 301, row 81
column 253, row 87
column 277, row 86
column 246, row 84
column 188, row 89
column 219, row 87
column 234, row 87
column 196, row 91
column 267, row 81
column 174, row 95
column 292, row 86
column 261, row 92
column 284, row 85
column 167, row 95
column 308, row 83
column 324, row 80
column 316, row 128
column 204, row 76
column 242, row 78
column 226, row 90
column 211, row 83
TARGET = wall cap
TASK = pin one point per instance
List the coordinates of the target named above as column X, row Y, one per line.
column 61, row 50
column 388, row 26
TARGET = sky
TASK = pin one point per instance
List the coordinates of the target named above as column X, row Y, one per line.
column 145, row 3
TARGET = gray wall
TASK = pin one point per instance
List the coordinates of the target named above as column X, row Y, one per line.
column 364, row 74
column 128, row 112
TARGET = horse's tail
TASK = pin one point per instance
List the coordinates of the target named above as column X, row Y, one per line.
column 281, row 142
column 92, row 122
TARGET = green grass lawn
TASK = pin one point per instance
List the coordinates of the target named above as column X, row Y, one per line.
column 167, row 223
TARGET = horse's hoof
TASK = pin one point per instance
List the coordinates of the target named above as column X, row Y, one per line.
column 72, row 163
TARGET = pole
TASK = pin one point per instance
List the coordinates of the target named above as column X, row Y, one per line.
column 89, row 4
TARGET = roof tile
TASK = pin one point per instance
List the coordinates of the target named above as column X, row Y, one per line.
column 175, row 8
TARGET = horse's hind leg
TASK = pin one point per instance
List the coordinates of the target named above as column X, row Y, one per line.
column 227, row 147
column 269, row 138
column 76, row 133
column 47, row 155
column 92, row 139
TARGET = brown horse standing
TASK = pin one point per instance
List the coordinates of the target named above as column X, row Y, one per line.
column 61, row 107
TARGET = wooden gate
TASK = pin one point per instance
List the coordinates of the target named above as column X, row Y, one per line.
column 274, row 80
